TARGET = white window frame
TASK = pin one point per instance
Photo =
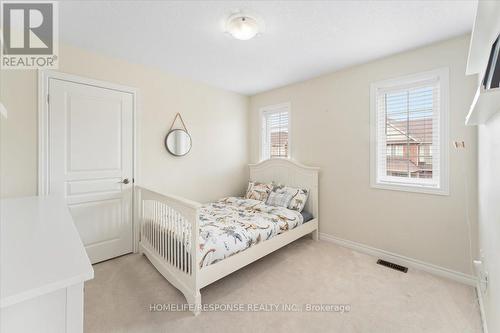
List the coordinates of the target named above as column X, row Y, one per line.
column 262, row 114
column 409, row 185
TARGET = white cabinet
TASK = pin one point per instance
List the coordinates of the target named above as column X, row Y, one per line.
column 485, row 104
column 43, row 267
column 486, row 29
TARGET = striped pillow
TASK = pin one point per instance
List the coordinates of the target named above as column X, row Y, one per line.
column 298, row 196
column 279, row 198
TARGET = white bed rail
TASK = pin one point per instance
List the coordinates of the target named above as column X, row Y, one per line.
column 168, row 236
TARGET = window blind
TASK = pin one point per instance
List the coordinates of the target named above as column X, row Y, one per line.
column 275, row 133
column 408, row 135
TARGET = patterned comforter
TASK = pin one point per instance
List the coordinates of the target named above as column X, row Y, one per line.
column 232, row 225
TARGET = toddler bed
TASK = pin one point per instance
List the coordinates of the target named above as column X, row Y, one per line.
column 193, row 245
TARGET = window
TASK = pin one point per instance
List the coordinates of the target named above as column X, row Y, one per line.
column 395, row 150
column 275, row 137
column 409, row 133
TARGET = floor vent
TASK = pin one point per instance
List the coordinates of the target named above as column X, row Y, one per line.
column 392, row 265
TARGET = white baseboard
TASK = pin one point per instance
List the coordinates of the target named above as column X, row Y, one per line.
column 481, row 308
column 402, row 260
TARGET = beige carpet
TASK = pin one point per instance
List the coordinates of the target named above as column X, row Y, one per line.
column 381, row 300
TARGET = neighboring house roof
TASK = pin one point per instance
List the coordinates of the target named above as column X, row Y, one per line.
column 419, row 131
column 398, row 164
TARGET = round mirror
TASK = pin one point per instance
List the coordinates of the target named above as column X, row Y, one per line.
column 178, row 142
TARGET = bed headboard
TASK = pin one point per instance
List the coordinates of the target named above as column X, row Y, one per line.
column 290, row 173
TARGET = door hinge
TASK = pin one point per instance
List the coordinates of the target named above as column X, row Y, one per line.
column 133, row 180
column 48, row 98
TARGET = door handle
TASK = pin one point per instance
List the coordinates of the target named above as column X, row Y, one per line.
column 125, row 181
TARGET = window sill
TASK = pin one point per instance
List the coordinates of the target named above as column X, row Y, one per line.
column 274, row 158
column 409, row 188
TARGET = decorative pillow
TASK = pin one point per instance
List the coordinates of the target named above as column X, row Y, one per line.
column 258, row 191
column 279, row 197
column 298, row 196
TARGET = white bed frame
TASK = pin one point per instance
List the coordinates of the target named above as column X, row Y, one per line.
column 179, row 217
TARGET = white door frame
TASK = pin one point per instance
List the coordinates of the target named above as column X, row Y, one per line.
column 43, row 132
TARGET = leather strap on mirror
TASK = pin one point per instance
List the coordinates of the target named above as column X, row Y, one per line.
column 178, row 115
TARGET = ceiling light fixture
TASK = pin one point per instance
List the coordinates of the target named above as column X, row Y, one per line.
column 242, row 27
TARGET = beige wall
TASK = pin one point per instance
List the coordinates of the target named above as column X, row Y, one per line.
column 489, row 215
column 330, row 129
column 216, row 119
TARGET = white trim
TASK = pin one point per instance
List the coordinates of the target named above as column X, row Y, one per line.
column 43, row 126
column 443, row 189
column 137, row 169
column 409, row 188
column 270, row 109
column 402, row 260
column 482, row 313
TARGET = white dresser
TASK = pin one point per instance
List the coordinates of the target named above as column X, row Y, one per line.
column 43, row 266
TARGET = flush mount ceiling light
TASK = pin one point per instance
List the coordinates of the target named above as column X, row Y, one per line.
column 242, row 26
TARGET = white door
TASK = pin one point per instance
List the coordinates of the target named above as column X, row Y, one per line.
column 91, row 163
